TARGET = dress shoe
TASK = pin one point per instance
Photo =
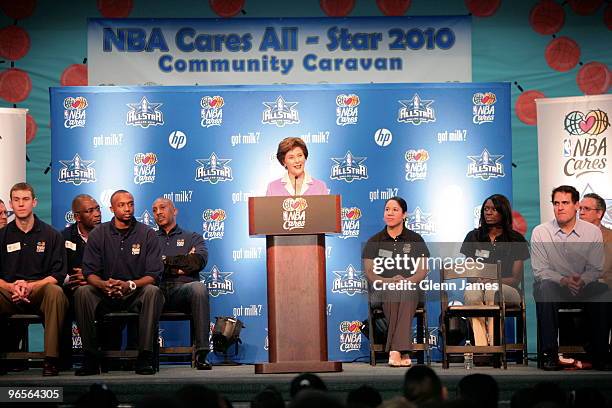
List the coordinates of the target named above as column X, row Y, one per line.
column 550, row 362
column 91, row 366
column 144, row 363
column 50, row 367
column 200, row 361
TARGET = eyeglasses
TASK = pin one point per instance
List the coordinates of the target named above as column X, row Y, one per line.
column 589, row 209
column 3, row 214
column 90, row 210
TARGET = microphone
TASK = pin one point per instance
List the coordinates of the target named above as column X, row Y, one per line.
column 295, row 192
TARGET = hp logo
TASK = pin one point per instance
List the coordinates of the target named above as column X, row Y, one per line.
column 177, row 139
column 383, row 137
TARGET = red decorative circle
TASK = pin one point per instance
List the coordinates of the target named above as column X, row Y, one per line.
column 31, row 128
column 18, row 9
column 525, row 107
column 594, row 78
column 585, row 7
column 562, row 54
column 608, row 16
column 547, row 17
column 393, row 7
column 74, row 75
column 482, row 8
column 226, row 8
column 14, row 43
column 15, row 85
column 115, row 8
column 337, row 8
column 519, row 224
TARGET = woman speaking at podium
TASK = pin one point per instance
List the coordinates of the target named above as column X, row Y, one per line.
column 292, row 154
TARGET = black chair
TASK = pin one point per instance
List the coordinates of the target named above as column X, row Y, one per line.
column 571, row 330
column 518, row 312
column 18, row 324
column 496, row 311
column 180, row 350
column 377, row 338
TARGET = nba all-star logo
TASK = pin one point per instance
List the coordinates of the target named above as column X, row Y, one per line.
column 349, row 168
column 350, row 222
column 484, row 107
column 144, row 114
column 213, row 170
column 420, row 222
column 213, row 226
column 217, row 282
column 347, row 111
column 485, row 166
column 144, row 168
column 416, row 111
column 74, row 112
column 294, row 213
column 147, row 219
column 77, row 171
column 349, row 282
column 211, row 113
column 280, row 113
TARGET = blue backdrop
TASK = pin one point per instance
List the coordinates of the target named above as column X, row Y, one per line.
column 443, row 147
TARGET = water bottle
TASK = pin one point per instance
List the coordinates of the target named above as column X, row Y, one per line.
column 468, row 357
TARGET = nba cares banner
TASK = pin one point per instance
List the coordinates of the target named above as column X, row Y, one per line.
column 573, row 138
column 267, row 51
column 12, row 149
column 443, row 147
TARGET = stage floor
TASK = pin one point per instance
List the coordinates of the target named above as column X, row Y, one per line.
column 240, row 383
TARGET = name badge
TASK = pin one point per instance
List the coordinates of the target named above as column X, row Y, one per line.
column 385, row 253
column 135, row 249
column 482, row 253
column 13, row 247
column 71, row 245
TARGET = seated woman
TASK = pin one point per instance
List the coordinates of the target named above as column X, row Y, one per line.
column 292, row 154
column 495, row 240
column 399, row 305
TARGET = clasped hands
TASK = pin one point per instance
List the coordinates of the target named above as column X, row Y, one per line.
column 20, row 291
column 115, row 288
column 574, row 283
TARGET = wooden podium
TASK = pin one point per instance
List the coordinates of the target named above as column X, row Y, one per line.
column 295, row 229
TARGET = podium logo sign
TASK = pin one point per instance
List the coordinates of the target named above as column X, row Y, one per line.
column 213, row 226
column 280, row 113
column 294, row 213
column 350, row 222
column 212, row 114
column 74, row 112
column 350, row 336
column 347, row 111
column 349, row 282
column 217, row 282
column 416, row 111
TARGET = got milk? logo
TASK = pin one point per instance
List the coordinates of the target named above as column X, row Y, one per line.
column 347, row 111
column 350, row 222
column 213, row 226
column 74, row 112
column 294, row 213
column 212, row 114
column 144, row 168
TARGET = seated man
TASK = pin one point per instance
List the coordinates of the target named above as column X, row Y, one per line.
column 122, row 264
column 32, row 265
column 567, row 260
column 185, row 255
column 3, row 215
